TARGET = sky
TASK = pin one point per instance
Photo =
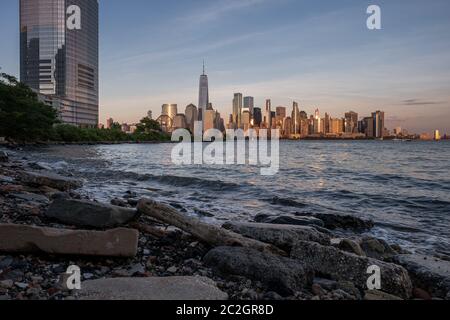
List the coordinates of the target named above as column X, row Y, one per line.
column 319, row 53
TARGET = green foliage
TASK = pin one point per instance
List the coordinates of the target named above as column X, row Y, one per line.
column 23, row 118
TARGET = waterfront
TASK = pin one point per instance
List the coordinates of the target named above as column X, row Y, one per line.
column 403, row 187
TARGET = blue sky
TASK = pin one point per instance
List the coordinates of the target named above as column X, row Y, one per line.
column 319, row 53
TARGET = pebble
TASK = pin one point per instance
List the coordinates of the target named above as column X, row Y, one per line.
column 6, row 284
column 172, row 269
column 21, row 285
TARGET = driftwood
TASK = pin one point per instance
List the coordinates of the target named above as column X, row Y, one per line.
column 213, row 235
column 149, row 230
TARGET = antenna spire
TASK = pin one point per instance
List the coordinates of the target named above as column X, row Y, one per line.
column 203, row 66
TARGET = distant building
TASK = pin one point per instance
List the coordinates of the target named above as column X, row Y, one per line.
column 191, row 114
column 203, row 96
column 150, row 114
column 209, row 120
column 280, row 116
column 437, row 135
column 179, row 122
column 170, row 110
column 237, row 110
column 249, row 104
column 257, row 117
column 109, row 123
column 351, row 122
column 268, row 114
column 246, row 118
column 318, row 128
column 378, row 124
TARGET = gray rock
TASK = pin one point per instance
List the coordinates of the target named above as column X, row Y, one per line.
column 6, row 284
column 351, row 247
column 428, row 273
column 282, row 236
column 376, row 295
column 89, row 214
column 342, row 266
column 335, row 221
column 377, row 248
column 288, row 220
column 282, row 275
column 31, row 197
column 50, row 179
column 27, row 239
column 170, row 289
column 4, row 156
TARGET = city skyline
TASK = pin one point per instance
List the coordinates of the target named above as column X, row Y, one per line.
column 320, row 55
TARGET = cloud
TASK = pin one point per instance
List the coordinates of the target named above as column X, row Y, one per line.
column 418, row 102
column 217, row 10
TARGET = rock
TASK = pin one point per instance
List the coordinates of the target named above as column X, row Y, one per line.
column 286, row 202
column 89, row 214
column 326, row 284
column 282, row 236
column 6, row 262
column 288, row 220
column 21, row 285
column 377, row 295
column 317, row 290
column 421, row 294
column 119, row 202
column 172, row 269
column 377, row 248
column 4, row 156
column 6, row 284
column 334, row 221
column 152, row 288
column 26, row 239
column 342, row 266
column 50, row 179
column 30, row 197
column 428, row 273
column 351, row 247
column 282, row 275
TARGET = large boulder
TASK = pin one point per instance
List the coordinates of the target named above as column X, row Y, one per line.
column 282, row 275
column 288, row 220
column 428, row 273
column 343, row 266
column 50, row 179
column 346, row 222
column 282, row 236
column 153, row 288
column 90, row 214
column 26, row 239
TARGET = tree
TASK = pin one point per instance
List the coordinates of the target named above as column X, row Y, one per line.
column 22, row 116
column 147, row 125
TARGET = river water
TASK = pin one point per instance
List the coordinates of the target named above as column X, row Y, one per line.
column 403, row 186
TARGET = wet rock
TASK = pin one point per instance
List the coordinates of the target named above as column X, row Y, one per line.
column 50, row 179
column 342, row 266
column 119, row 203
column 377, row 248
column 376, row 295
column 26, row 239
column 428, row 273
column 351, row 247
column 286, row 202
column 282, row 236
column 282, row 275
column 288, row 220
column 152, row 288
column 334, row 221
column 4, row 156
column 317, row 290
column 89, row 214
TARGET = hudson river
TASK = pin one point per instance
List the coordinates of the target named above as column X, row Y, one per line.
column 403, row 187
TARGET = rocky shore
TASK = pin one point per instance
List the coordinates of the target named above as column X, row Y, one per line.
column 124, row 252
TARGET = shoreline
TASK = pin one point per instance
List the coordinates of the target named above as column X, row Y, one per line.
column 173, row 252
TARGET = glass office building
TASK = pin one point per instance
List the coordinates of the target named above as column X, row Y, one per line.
column 61, row 62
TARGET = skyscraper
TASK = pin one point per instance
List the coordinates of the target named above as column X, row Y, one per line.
column 237, row 110
column 351, row 122
column 268, row 114
column 191, row 116
column 378, row 124
column 170, row 110
column 203, row 98
column 59, row 58
column 249, row 104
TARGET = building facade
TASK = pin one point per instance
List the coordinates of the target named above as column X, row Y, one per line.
column 59, row 55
